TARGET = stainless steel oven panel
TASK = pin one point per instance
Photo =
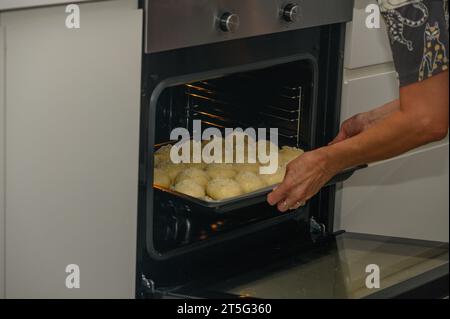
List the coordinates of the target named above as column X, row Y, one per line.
column 173, row 24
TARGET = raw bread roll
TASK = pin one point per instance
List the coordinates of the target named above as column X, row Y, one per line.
column 288, row 154
column 247, row 167
column 276, row 178
column 249, row 181
column 221, row 171
column 163, row 154
column 191, row 188
column 158, row 161
column 223, row 188
column 161, row 178
column 192, row 149
column 173, row 170
column 180, row 147
column 240, row 152
column 200, row 166
column 194, row 174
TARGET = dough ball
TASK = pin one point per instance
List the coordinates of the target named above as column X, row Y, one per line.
column 162, row 157
column 239, row 146
column 173, row 170
column 191, row 188
column 200, row 166
column 223, row 188
column 288, row 154
column 194, row 174
column 247, row 167
column 189, row 147
column 161, row 178
column 275, row 178
column 158, row 161
column 221, row 171
column 249, row 181
column 163, row 153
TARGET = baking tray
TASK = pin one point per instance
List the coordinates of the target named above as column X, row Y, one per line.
column 242, row 201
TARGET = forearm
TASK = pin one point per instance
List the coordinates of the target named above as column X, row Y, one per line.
column 421, row 118
column 388, row 138
column 376, row 115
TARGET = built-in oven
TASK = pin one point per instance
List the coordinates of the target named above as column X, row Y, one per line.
column 257, row 64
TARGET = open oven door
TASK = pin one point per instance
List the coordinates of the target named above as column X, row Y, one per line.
column 348, row 265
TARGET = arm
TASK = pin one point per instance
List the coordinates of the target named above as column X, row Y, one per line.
column 422, row 118
column 362, row 121
column 419, row 117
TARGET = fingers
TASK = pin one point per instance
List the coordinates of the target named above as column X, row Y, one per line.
column 279, row 193
column 339, row 138
column 296, row 198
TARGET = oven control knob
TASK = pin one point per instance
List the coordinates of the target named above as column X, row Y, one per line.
column 229, row 22
column 291, row 12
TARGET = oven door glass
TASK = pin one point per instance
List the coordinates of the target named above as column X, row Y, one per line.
column 346, row 267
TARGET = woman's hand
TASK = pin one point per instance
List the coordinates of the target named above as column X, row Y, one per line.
column 351, row 127
column 362, row 121
column 305, row 176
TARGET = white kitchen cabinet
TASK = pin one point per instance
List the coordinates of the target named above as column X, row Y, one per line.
column 365, row 89
column 365, row 46
column 2, row 162
column 404, row 197
column 72, row 137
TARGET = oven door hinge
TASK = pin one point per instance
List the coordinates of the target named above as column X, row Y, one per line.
column 316, row 230
column 149, row 288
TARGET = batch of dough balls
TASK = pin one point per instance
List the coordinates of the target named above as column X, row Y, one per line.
column 217, row 181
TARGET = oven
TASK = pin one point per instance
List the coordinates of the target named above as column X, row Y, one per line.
column 259, row 64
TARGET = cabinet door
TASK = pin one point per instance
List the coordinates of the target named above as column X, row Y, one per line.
column 72, row 136
column 365, row 46
column 405, row 197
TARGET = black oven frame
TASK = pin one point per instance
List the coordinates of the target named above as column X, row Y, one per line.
column 324, row 44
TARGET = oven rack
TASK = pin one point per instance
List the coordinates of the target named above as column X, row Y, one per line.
column 217, row 105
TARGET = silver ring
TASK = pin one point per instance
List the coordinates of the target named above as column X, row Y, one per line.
column 297, row 205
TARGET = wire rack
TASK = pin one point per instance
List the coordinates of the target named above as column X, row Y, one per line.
column 245, row 101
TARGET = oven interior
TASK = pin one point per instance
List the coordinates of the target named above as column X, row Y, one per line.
column 279, row 96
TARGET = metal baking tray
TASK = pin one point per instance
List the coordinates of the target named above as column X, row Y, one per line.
column 241, row 201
